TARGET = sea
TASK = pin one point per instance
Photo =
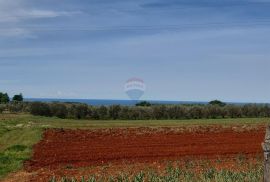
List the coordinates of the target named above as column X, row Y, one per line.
column 108, row 102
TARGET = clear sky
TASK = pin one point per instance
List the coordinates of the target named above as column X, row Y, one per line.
column 190, row 50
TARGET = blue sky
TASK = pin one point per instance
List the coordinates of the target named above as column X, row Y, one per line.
column 191, row 50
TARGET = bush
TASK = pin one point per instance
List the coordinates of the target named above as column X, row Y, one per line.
column 196, row 112
column 15, row 107
column 2, row 108
column 102, row 112
column 159, row 112
column 234, row 111
column 40, row 109
column 78, row 111
column 59, row 110
column 214, row 112
column 124, row 113
column 114, row 111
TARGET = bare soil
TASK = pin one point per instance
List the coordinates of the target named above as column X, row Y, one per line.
column 79, row 152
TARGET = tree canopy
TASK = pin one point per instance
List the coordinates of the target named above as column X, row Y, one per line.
column 143, row 103
column 4, row 98
column 18, row 98
column 217, row 102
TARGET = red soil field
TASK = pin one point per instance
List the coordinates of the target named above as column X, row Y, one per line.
column 78, row 148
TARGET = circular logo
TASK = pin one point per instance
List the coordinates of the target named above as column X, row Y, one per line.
column 135, row 88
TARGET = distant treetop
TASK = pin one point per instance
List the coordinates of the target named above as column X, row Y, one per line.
column 217, row 102
column 18, row 98
column 144, row 103
column 4, row 98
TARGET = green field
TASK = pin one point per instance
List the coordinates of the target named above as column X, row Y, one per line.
column 19, row 132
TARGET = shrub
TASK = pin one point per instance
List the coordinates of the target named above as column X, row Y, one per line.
column 124, row 113
column 41, row 109
column 114, row 111
column 78, row 111
column 159, row 112
column 93, row 113
column 59, row 110
column 15, row 107
column 214, row 111
column 2, row 108
column 196, row 112
column 181, row 112
column 234, row 111
column 102, row 112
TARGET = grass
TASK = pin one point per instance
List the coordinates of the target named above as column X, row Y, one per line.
column 210, row 176
column 19, row 132
column 25, row 120
column 11, row 159
column 16, row 146
column 175, row 174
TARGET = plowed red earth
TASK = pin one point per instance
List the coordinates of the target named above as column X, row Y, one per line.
column 78, row 148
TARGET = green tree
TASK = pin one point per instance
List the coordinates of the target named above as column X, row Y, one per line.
column 196, row 112
column 217, row 102
column 78, row 111
column 144, row 103
column 234, row 111
column 124, row 113
column 103, row 112
column 214, row 111
column 114, row 111
column 18, row 98
column 160, row 112
column 4, row 98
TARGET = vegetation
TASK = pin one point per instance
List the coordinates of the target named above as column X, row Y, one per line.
column 142, row 111
column 154, row 112
column 13, row 157
column 144, row 103
column 16, row 141
column 2, row 108
column 18, row 98
column 41, row 109
column 19, row 132
column 217, row 102
column 175, row 174
column 4, row 98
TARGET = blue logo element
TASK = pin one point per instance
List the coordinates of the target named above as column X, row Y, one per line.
column 135, row 88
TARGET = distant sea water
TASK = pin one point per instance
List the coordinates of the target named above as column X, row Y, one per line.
column 108, row 102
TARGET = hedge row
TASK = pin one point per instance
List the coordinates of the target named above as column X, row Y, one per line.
column 155, row 112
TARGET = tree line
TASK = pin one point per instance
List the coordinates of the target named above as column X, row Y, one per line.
column 4, row 98
column 214, row 110
column 8, row 104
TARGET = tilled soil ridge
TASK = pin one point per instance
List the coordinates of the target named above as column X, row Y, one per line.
column 80, row 148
